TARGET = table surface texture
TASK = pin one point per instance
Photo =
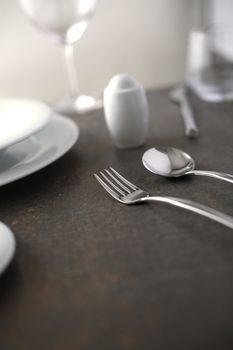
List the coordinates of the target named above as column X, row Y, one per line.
column 92, row 274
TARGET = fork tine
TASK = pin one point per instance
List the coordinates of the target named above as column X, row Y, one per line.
column 118, row 182
column 106, row 187
column 132, row 186
column 112, row 184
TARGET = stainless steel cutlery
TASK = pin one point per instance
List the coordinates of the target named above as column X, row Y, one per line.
column 126, row 192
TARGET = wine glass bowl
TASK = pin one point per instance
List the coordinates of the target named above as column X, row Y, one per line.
column 65, row 21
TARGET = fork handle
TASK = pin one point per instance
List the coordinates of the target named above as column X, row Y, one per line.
column 210, row 213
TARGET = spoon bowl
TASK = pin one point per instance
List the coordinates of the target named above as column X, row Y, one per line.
column 168, row 161
column 173, row 162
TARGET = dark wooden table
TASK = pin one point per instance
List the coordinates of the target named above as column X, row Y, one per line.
column 92, row 274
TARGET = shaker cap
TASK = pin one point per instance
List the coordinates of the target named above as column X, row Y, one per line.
column 123, row 82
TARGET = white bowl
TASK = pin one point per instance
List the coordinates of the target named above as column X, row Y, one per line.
column 21, row 118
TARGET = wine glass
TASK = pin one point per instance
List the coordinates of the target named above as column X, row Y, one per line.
column 65, row 21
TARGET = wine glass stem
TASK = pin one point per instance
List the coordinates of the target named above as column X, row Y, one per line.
column 71, row 71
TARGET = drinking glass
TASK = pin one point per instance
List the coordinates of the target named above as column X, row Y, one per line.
column 209, row 69
column 65, row 21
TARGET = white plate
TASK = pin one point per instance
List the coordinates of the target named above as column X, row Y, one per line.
column 7, row 246
column 38, row 151
column 20, row 119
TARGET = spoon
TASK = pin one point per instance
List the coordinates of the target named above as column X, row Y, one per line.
column 172, row 162
column 179, row 96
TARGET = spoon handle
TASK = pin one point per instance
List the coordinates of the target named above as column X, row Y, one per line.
column 179, row 95
column 197, row 208
column 217, row 175
column 191, row 129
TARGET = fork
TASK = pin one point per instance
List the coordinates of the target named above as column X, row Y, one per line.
column 127, row 193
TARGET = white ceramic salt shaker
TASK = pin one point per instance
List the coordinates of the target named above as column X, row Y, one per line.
column 126, row 111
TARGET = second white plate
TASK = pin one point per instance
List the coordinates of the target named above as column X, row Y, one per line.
column 38, row 151
column 7, row 246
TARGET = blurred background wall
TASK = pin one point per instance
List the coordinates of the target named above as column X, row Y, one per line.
column 145, row 38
